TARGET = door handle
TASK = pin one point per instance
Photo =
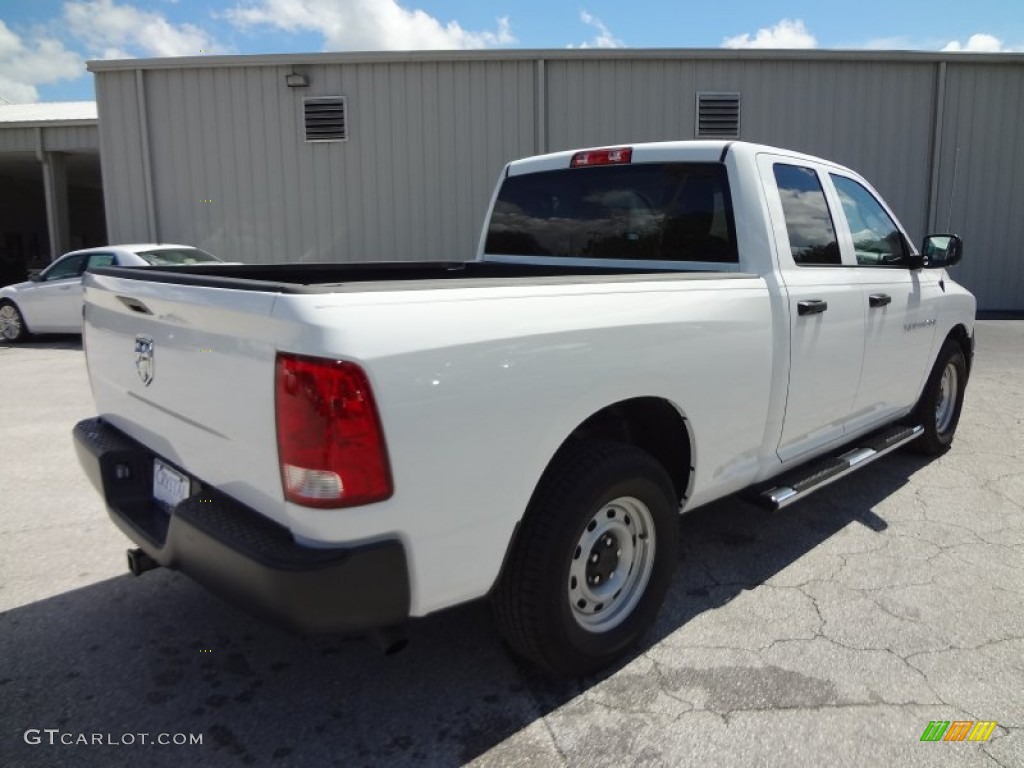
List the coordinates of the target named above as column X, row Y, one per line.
column 135, row 305
column 879, row 299
column 811, row 307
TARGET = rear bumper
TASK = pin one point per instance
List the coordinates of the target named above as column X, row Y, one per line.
column 240, row 555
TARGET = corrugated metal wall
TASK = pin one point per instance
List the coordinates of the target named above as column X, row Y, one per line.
column 233, row 174
column 981, row 179
column 871, row 116
column 428, row 136
column 18, row 140
column 71, row 138
column 121, row 157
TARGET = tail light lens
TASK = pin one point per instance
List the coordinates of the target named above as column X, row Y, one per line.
column 329, row 438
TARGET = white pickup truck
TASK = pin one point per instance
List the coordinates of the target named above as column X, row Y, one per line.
column 340, row 447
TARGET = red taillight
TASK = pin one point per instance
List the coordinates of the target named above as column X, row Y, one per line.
column 616, row 156
column 329, row 439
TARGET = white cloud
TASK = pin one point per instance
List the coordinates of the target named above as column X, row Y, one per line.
column 367, row 25
column 980, row 43
column 897, row 43
column 111, row 30
column 788, row 33
column 604, row 37
column 115, row 53
column 24, row 65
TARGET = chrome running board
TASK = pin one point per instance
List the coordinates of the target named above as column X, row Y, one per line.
column 803, row 482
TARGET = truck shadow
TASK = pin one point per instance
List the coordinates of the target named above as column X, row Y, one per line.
column 159, row 655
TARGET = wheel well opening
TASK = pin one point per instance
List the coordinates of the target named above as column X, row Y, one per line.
column 651, row 424
column 959, row 335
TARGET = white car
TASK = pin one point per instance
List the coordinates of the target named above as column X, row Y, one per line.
column 51, row 302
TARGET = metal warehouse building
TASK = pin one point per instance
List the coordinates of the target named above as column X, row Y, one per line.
column 353, row 157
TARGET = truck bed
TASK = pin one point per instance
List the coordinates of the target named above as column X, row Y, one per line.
column 524, row 336
column 401, row 275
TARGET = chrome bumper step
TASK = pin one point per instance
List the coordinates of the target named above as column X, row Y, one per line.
column 803, row 481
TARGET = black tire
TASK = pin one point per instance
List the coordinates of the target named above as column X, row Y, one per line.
column 938, row 410
column 594, row 492
column 12, row 323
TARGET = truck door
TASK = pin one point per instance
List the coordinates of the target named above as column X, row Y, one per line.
column 826, row 309
column 900, row 304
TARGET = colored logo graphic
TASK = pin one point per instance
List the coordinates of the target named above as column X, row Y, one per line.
column 958, row 730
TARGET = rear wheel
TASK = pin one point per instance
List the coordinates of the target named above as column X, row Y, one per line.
column 12, row 324
column 938, row 411
column 592, row 561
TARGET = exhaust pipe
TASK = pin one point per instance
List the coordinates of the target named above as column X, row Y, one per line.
column 139, row 562
column 390, row 640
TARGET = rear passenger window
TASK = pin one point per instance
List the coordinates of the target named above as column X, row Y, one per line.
column 101, row 260
column 812, row 237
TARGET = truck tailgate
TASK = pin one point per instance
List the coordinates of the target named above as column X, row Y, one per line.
column 189, row 371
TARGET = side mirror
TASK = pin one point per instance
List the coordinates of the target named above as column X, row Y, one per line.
column 940, row 251
column 35, row 278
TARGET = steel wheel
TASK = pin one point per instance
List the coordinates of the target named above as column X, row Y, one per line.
column 938, row 410
column 592, row 560
column 12, row 327
column 945, row 404
column 611, row 564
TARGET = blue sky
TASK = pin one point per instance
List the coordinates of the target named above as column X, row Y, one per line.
column 44, row 43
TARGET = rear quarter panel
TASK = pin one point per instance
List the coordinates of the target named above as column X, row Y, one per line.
column 477, row 388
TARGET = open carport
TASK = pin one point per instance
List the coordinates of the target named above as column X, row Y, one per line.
column 51, row 192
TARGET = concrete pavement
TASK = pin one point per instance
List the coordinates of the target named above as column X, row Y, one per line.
column 831, row 633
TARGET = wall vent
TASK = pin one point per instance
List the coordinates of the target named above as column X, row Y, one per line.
column 326, row 118
column 718, row 115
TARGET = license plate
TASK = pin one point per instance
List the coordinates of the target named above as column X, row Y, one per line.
column 170, row 487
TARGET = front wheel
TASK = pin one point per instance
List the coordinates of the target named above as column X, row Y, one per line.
column 12, row 324
column 938, row 411
column 593, row 559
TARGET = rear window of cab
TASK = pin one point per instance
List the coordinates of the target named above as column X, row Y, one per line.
column 642, row 211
